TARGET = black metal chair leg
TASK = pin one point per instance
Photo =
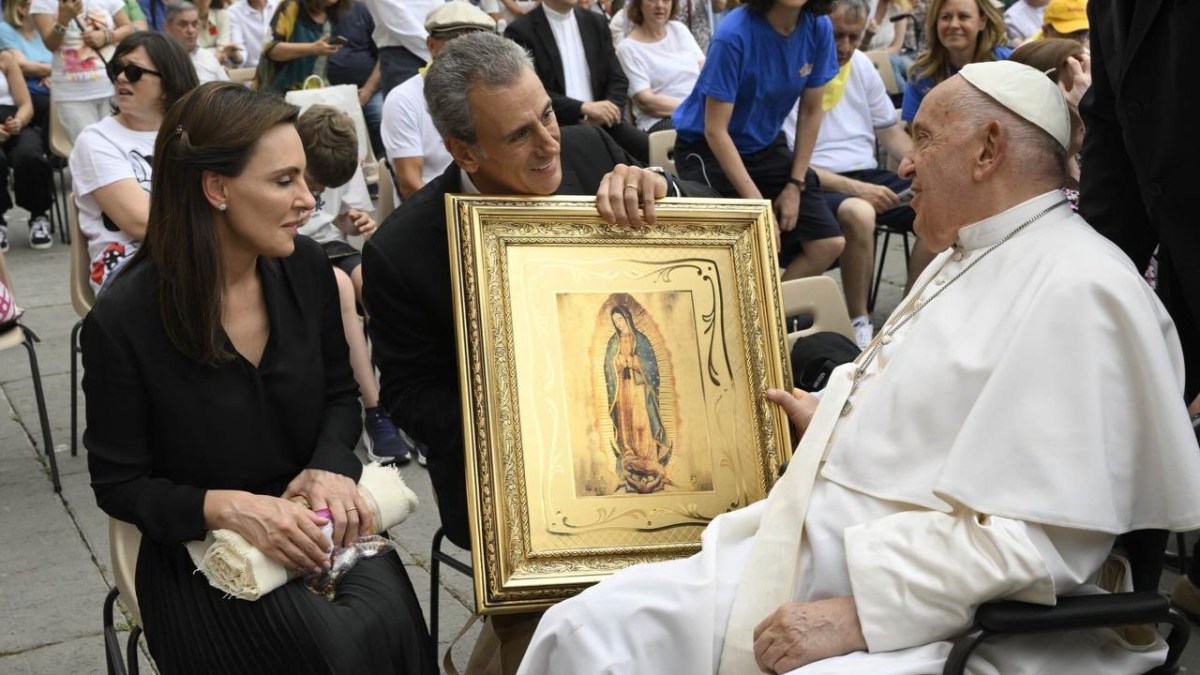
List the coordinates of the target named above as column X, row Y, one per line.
column 75, row 351
column 435, row 570
column 112, row 647
column 40, row 396
column 131, row 659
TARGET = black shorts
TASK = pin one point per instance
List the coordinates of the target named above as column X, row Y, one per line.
column 898, row 218
column 770, row 169
column 342, row 256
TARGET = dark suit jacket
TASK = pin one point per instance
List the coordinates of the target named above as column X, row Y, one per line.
column 406, row 273
column 1138, row 183
column 532, row 32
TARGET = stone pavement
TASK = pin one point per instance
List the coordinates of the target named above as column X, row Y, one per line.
column 54, row 564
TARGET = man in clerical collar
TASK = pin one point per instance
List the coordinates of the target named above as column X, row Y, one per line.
column 500, row 127
column 1020, row 409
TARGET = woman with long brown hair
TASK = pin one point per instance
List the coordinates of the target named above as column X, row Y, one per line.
column 219, row 391
column 962, row 32
column 298, row 45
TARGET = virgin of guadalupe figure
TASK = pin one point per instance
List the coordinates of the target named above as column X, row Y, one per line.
column 641, row 446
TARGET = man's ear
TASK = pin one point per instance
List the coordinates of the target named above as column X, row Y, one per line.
column 992, row 151
column 214, row 188
column 465, row 154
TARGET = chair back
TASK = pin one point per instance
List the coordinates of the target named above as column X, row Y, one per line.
column 386, row 202
column 124, row 540
column 883, row 64
column 60, row 144
column 662, row 149
column 82, row 295
column 821, row 298
column 242, row 75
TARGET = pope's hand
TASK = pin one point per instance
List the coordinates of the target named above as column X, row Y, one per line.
column 800, row 633
column 621, row 190
column 799, row 406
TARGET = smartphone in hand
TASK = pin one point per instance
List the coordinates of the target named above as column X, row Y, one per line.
column 338, row 40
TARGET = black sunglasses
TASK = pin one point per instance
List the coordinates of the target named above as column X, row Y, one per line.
column 133, row 72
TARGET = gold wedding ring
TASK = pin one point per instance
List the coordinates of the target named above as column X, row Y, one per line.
column 631, row 187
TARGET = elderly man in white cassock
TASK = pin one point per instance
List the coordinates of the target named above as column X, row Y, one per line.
column 1020, row 409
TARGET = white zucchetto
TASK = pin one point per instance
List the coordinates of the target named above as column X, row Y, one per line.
column 1026, row 91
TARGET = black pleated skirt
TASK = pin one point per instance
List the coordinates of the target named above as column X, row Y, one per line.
column 374, row 626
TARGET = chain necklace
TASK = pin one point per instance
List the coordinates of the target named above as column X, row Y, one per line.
column 915, row 305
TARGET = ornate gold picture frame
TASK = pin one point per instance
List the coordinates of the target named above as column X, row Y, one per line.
column 612, row 383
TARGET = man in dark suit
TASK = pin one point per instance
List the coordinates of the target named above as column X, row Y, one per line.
column 499, row 125
column 574, row 57
column 1138, row 182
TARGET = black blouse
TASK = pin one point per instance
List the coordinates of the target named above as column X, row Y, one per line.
column 162, row 429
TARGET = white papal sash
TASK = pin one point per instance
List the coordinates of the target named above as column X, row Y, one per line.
column 769, row 578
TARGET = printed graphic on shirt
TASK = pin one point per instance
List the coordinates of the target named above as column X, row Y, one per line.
column 140, row 164
column 80, row 62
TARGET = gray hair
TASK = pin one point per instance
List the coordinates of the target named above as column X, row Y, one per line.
column 854, row 9
column 177, row 7
column 1033, row 148
column 481, row 58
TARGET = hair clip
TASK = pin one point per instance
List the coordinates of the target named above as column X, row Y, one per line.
column 179, row 130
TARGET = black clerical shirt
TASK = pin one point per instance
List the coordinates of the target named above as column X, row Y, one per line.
column 162, row 429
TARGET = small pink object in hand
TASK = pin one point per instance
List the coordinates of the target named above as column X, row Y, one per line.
column 327, row 528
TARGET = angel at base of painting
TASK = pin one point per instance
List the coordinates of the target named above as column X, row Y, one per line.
column 640, row 441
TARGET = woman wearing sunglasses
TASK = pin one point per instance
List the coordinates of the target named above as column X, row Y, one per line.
column 110, row 164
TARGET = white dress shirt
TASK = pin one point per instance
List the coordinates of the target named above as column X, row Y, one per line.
column 248, row 29
column 577, row 78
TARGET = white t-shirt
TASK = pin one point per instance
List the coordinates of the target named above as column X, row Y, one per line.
column 846, row 140
column 408, row 129
column 104, row 153
column 5, row 94
column 401, row 23
column 208, row 68
column 248, row 29
column 577, row 79
column 668, row 67
column 887, row 28
column 1022, row 20
column 77, row 72
column 333, row 202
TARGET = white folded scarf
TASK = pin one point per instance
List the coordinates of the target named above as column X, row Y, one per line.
column 233, row 565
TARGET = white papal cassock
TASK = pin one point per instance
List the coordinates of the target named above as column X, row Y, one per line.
column 998, row 442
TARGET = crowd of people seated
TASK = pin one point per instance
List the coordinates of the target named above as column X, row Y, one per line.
column 190, row 190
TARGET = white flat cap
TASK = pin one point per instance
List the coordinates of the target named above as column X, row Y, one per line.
column 453, row 16
column 1025, row 91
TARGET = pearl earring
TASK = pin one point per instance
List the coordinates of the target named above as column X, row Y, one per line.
column 222, row 206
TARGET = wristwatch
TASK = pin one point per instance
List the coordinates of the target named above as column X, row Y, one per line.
column 671, row 186
column 798, row 183
column 59, row 29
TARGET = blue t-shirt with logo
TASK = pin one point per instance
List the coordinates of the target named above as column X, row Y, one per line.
column 915, row 90
column 761, row 72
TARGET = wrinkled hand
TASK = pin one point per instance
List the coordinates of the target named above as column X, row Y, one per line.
column 322, row 47
column 879, row 197
column 231, row 54
column 1075, row 78
column 284, row 531
column 601, row 113
column 339, row 494
column 787, row 208
column 799, row 406
column 800, row 633
column 621, row 190
column 362, row 222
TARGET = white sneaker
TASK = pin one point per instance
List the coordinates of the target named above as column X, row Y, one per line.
column 39, row 233
column 863, row 331
column 3, row 238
